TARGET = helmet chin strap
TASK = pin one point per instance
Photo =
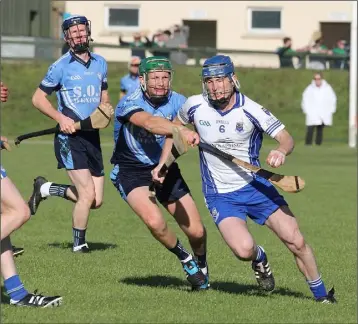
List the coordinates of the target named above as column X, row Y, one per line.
column 222, row 102
column 80, row 48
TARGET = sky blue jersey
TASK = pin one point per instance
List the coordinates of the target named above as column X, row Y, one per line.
column 78, row 85
column 129, row 84
column 135, row 146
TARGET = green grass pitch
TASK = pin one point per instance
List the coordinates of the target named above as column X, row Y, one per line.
column 131, row 278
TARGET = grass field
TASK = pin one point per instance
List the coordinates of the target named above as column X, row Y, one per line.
column 130, row 278
column 279, row 90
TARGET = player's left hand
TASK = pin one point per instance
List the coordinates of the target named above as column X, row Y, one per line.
column 191, row 137
column 276, row 158
column 3, row 92
column 157, row 176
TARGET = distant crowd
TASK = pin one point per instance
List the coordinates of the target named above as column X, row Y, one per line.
column 175, row 36
column 317, row 46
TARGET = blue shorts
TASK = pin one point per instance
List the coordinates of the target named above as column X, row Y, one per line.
column 3, row 172
column 258, row 200
column 173, row 188
column 81, row 150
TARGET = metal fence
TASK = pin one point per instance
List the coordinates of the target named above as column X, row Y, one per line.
column 34, row 48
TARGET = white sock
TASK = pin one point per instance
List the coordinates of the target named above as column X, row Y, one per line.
column 45, row 189
column 187, row 259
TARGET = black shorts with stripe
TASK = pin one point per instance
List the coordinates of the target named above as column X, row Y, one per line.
column 173, row 188
column 81, row 150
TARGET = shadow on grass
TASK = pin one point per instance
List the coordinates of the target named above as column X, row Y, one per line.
column 222, row 286
column 94, row 246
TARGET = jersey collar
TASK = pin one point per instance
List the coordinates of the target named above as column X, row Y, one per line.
column 74, row 58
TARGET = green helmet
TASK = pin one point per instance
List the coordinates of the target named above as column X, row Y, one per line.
column 152, row 64
column 155, row 63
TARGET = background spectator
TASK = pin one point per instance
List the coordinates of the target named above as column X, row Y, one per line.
column 317, row 47
column 130, row 82
column 138, row 44
column 179, row 39
column 318, row 104
column 340, row 49
column 160, row 40
column 285, row 61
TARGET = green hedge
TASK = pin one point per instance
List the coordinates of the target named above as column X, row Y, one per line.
column 278, row 90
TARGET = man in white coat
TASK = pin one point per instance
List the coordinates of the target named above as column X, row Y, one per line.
column 318, row 104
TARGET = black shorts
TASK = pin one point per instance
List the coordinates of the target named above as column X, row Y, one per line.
column 172, row 189
column 79, row 151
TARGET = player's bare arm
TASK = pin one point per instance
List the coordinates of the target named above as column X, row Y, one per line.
column 40, row 101
column 162, row 126
column 277, row 157
column 105, row 97
column 165, row 153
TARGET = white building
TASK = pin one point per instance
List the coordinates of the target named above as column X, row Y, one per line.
column 239, row 25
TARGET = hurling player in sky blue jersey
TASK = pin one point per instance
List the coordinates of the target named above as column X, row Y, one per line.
column 229, row 120
column 14, row 213
column 79, row 79
column 130, row 82
column 142, row 122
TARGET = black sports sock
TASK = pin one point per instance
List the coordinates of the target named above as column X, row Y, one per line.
column 180, row 251
column 58, row 190
column 201, row 260
column 79, row 236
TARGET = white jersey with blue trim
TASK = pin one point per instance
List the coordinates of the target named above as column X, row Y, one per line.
column 78, row 84
column 238, row 131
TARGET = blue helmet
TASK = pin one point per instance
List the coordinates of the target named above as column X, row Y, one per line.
column 216, row 67
column 76, row 20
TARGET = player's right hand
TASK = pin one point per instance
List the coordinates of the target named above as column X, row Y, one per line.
column 191, row 137
column 4, row 143
column 157, row 176
column 67, row 125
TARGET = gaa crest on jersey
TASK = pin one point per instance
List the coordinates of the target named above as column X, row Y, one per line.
column 99, row 75
column 239, row 127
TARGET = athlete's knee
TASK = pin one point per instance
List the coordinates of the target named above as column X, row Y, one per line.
column 157, row 225
column 87, row 196
column 26, row 211
column 244, row 249
column 97, row 203
column 22, row 214
column 197, row 233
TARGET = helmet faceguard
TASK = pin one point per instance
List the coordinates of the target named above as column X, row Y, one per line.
column 83, row 46
column 219, row 66
column 151, row 65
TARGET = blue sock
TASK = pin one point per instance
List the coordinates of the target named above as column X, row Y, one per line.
column 79, row 236
column 15, row 288
column 317, row 287
column 260, row 254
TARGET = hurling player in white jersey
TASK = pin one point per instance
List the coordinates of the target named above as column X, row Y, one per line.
column 230, row 121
